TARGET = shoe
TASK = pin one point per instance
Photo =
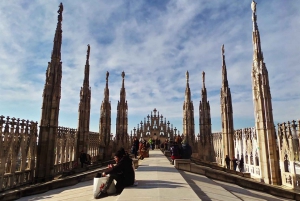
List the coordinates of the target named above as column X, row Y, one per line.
column 101, row 195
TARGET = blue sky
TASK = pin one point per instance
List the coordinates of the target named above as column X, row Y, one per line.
column 155, row 43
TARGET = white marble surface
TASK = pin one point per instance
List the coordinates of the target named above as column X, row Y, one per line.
column 158, row 180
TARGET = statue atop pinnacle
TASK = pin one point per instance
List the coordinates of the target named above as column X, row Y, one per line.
column 187, row 76
column 107, row 74
column 88, row 52
column 253, row 6
column 223, row 50
column 60, row 10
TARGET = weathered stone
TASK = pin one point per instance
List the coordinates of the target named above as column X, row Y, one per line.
column 105, row 123
column 50, row 109
column 84, row 111
column 204, row 139
column 188, row 116
column 122, row 137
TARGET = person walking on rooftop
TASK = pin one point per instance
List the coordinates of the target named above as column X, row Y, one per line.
column 241, row 164
column 136, row 146
column 234, row 161
column 166, row 144
column 150, row 141
column 227, row 161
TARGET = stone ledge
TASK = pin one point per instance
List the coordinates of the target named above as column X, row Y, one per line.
column 44, row 187
column 243, row 181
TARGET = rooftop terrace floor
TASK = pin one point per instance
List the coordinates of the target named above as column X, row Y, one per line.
column 159, row 180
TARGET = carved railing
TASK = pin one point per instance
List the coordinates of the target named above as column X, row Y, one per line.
column 94, row 146
column 246, row 147
column 288, row 141
column 218, row 147
column 65, row 149
column 18, row 147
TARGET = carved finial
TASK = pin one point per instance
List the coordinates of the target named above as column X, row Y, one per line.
column 253, row 6
column 88, row 52
column 187, row 76
column 60, row 10
column 203, row 76
column 123, row 74
column 107, row 74
column 223, row 49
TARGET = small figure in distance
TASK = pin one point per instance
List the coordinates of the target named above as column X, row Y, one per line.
column 234, row 161
column 227, row 161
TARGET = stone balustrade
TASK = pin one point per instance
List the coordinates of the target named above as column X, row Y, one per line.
column 18, row 146
column 18, row 152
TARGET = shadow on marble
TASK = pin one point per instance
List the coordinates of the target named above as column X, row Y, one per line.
column 159, row 168
column 148, row 184
column 237, row 189
column 201, row 194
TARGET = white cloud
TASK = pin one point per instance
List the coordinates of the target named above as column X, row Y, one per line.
column 155, row 44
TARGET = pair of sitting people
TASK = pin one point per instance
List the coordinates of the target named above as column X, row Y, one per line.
column 122, row 172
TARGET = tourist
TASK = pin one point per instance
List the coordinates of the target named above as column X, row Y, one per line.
column 122, row 172
column 175, row 152
column 133, row 150
column 136, row 145
column 142, row 150
column 151, row 143
column 227, row 161
column 83, row 158
column 178, row 139
column 234, row 161
column 166, row 144
column 157, row 142
column 241, row 164
column 186, row 150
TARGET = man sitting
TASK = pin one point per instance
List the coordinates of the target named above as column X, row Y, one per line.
column 186, row 150
column 122, row 172
column 175, row 152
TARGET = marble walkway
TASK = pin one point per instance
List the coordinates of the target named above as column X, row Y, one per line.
column 159, row 180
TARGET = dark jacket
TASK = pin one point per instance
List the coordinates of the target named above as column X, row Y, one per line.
column 83, row 157
column 186, row 151
column 124, row 170
column 175, row 150
column 136, row 144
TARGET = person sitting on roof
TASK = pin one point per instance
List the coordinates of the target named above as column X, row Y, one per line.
column 122, row 172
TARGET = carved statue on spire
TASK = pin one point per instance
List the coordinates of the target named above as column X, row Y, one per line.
column 60, row 10
column 88, row 52
column 223, row 49
column 187, row 76
column 203, row 76
column 123, row 74
column 253, row 6
column 107, row 74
